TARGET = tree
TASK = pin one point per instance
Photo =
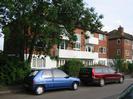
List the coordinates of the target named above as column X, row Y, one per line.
column 37, row 23
column 118, row 63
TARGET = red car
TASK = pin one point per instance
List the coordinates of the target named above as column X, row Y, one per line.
column 100, row 75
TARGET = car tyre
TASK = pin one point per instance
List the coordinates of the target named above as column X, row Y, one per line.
column 74, row 86
column 102, row 82
column 39, row 90
column 121, row 80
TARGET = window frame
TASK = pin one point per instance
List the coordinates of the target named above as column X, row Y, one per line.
column 44, row 71
column 118, row 41
column 118, row 51
column 66, row 75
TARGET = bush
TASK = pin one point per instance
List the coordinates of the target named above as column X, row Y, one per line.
column 72, row 67
column 130, row 67
column 12, row 70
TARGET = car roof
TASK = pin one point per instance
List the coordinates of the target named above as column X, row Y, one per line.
column 44, row 69
column 97, row 67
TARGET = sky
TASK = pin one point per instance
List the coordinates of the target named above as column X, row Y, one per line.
column 115, row 12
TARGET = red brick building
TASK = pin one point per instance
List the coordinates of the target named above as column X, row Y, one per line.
column 121, row 44
column 102, row 47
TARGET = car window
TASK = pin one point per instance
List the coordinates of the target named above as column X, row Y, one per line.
column 111, row 70
column 105, row 70
column 33, row 73
column 98, row 70
column 47, row 74
column 59, row 73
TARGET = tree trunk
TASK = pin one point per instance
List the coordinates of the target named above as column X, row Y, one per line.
column 31, row 48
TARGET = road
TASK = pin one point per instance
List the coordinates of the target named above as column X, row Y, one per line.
column 109, row 91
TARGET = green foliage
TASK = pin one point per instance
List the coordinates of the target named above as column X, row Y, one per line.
column 118, row 64
column 121, row 65
column 44, row 19
column 12, row 71
column 130, row 67
column 72, row 67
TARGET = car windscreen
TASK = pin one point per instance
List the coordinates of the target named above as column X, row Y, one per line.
column 33, row 73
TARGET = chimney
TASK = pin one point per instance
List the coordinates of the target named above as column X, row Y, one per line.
column 121, row 30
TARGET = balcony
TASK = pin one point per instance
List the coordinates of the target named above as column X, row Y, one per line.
column 77, row 54
column 92, row 40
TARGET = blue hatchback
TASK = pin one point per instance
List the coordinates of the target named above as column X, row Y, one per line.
column 48, row 79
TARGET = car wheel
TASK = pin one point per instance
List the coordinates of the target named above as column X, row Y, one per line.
column 101, row 82
column 121, row 80
column 39, row 90
column 74, row 86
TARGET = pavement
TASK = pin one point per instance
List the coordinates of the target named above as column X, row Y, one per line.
column 11, row 89
column 20, row 88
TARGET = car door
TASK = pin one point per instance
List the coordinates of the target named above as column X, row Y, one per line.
column 61, row 79
column 47, row 79
column 107, row 75
column 113, row 75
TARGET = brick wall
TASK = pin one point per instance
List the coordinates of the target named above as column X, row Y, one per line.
column 102, row 43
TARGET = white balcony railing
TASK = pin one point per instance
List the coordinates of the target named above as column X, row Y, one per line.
column 92, row 40
column 77, row 54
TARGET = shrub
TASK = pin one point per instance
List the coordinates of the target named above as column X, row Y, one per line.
column 12, row 70
column 72, row 67
column 130, row 67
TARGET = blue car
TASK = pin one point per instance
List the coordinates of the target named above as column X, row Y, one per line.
column 40, row 81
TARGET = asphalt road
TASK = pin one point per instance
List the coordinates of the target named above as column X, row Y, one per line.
column 109, row 91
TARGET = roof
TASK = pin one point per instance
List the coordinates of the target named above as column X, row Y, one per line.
column 102, row 32
column 115, row 34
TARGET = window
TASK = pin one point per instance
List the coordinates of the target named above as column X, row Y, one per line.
column 118, row 52
column 47, row 74
column 33, row 73
column 63, row 44
column 105, row 70
column 98, row 70
column 78, row 42
column 118, row 41
column 102, row 50
column 38, row 62
column 111, row 71
column 88, row 62
column 59, row 73
column 61, row 62
column 127, row 52
column 101, row 62
column 101, row 36
column 127, row 41
column 89, row 48
column 77, row 46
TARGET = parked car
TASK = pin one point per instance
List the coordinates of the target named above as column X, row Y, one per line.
column 100, row 75
column 48, row 79
column 127, row 93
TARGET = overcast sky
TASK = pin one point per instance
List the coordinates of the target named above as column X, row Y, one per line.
column 116, row 13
